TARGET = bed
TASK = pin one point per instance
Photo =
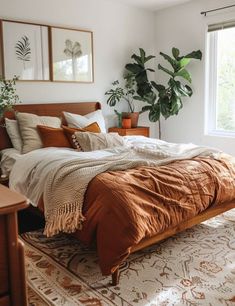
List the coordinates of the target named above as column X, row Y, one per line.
column 124, row 241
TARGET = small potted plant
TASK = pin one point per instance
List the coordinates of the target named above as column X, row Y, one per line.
column 8, row 96
column 126, row 93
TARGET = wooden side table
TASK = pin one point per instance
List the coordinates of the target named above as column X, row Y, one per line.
column 12, row 266
column 140, row 130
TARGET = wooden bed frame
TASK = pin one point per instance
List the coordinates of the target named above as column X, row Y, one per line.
column 84, row 108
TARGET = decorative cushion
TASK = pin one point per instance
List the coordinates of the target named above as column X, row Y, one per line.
column 28, row 129
column 53, row 137
column 13, row 132
column 87, row 141
column 93, row 127
column 78, row 121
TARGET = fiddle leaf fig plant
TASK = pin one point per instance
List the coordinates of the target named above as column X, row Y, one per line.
column 162, row 100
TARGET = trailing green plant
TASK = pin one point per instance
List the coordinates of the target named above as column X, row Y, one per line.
column 8, row 96
column 127, row 92
column 160, row 99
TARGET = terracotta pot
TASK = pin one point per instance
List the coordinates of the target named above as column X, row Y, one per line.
column 126, row 123
column 134, row 118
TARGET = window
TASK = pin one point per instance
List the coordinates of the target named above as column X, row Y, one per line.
column 220, row 117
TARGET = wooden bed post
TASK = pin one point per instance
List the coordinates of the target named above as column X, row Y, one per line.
column 115, row 277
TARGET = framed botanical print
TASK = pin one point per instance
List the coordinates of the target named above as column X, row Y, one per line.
column 25, row 50
column 72, row 55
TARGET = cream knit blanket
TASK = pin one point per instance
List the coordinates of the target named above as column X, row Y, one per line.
column 66, row 186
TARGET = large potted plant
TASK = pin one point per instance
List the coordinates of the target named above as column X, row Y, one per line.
column 8, row 96
column 165, row 100
column 126, row 93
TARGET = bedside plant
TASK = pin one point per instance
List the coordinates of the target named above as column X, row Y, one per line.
column 8, row 96
column 126, row 93
column 160, row 99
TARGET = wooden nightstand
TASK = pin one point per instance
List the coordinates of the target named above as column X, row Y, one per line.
column 140, row 130
column 12, row 268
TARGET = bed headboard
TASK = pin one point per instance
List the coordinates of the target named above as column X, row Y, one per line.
column 52, row 109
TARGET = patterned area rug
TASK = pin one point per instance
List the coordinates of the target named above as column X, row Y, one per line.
column 196, row 267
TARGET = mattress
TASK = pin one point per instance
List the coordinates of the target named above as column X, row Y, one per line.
column 8, row 159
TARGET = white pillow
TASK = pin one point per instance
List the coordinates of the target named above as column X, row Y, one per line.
column 78, row 121
column 13, row 132
column 28, row 129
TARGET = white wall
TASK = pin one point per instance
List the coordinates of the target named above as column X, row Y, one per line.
column 184, row 27
column 119, row 30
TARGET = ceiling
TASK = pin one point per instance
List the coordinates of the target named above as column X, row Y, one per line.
column 153, row 4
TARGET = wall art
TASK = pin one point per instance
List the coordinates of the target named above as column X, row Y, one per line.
column 72, row 55
column 25, row 51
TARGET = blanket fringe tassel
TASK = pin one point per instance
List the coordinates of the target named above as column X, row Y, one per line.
column 67, row 222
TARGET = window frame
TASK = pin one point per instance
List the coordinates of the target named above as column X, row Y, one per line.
column 212, row 88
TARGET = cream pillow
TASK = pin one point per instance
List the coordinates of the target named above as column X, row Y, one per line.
column 87, row 141
column 28, row 129
column 78, row 121
column 13, row 132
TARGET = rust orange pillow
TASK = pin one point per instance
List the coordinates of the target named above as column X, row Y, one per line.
column 93, row 127
column 53, row 137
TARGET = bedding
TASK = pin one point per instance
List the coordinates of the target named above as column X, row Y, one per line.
column 13, row 132
column 78, row 121
column 8, row 159
column 28, row 129
column 88, row 141
column 120, row 196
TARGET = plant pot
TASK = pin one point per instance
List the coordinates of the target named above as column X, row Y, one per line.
column 134, row 118
column 126, row 123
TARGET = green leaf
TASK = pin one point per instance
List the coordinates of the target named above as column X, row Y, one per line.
column 146, row 108
column 175, row 53
column 149, row 58
column 174, row 63
column 176, row 105
column 180, row 89
column 158, row 87
column 137, row 59
column 184, row 62
column 134, row 68
column 184, row 74
column 166, row 70
column 150, row 98
column 143, row 88
column 142, row 55
column 195, row 54
column 165, row 107
column 154, row 113
column 149, row 69
column 185, row 90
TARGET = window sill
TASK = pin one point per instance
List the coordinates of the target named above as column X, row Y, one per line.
column 221, row 134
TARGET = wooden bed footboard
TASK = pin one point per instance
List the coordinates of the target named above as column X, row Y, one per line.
column 209, row 213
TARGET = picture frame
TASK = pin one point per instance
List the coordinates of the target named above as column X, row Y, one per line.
column 71, row 55
column 24, row 51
